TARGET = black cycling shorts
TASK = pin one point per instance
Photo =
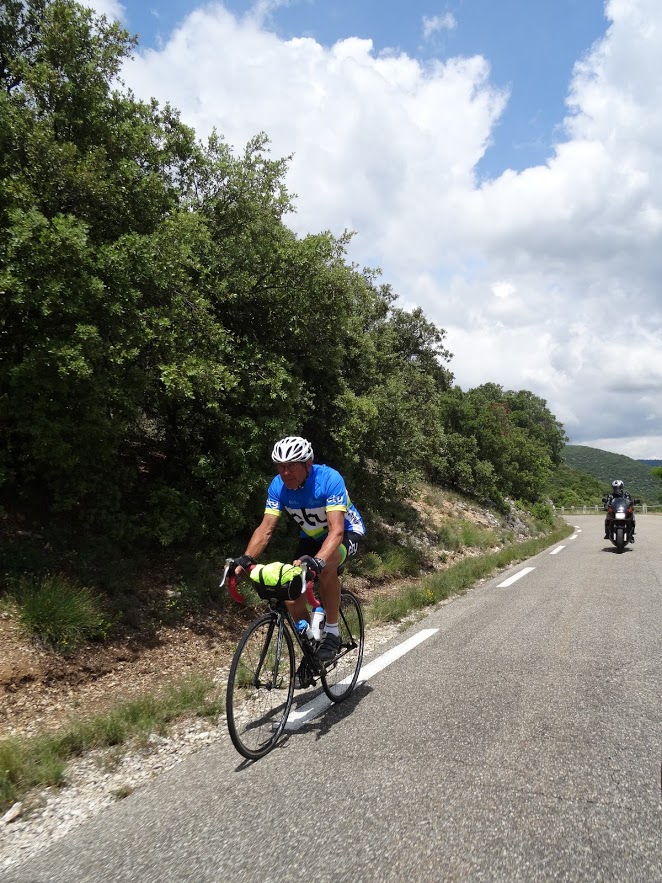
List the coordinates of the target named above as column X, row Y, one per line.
column 309, row 546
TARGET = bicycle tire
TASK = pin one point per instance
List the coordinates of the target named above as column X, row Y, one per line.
column 339, row 676
column 260, row 688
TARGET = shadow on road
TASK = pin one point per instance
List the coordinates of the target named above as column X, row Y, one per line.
column 328, row 719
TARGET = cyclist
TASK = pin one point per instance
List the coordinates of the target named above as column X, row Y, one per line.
column 316, row 498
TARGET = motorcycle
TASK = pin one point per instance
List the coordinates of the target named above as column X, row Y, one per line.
column 620, row 520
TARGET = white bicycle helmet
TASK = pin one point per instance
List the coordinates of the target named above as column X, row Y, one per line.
column 617, row 485
column 292, row 449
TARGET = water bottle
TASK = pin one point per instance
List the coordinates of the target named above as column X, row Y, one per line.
column 303, row 627
column 317, row 623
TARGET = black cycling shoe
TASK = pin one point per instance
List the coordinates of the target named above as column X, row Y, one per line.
column 329, row 647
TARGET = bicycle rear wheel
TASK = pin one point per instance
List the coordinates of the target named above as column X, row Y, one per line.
column 260, row 687
column 340, row 676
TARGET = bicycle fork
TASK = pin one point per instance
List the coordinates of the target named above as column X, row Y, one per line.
column 265, row 650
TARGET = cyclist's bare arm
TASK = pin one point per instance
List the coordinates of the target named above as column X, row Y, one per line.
column 261, row 536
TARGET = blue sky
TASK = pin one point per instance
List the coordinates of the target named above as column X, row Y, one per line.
column 501, row 162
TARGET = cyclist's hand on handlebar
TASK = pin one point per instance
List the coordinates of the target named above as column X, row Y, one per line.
column 242, row 563
column 317, row 565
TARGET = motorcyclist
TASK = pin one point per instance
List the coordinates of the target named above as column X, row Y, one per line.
column 617, row 490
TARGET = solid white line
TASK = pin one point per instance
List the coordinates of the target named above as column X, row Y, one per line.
column 310, row 710
column 515, row 577
column 557, row 550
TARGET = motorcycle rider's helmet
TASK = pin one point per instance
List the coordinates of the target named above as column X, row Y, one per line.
column 292, row 449
column 617, row 487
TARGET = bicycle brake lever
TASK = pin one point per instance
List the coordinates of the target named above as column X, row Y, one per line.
column 228, row 562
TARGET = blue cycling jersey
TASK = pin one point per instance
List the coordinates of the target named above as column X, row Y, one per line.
column 323, row 491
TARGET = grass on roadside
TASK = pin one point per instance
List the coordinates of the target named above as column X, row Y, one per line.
column 458, row 577
column 57, row 611
column 42, row 760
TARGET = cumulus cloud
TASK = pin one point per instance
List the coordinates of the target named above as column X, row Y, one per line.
column 535, row 275
column 374, row 137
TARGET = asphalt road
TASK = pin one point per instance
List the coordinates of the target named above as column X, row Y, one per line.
column 520, row 741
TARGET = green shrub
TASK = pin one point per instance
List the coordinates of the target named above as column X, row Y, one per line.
column 473, row 536
column 448, row 538
column 370, row 565
column 59, row 612
column 543, row 512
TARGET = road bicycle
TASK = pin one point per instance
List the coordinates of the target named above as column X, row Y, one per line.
column 261, row 682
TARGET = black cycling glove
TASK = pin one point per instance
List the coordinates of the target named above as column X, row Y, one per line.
column 244, row 561
column 315, row 564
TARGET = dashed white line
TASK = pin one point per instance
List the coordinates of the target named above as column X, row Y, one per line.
column 557, row 550
column 313, row 709
column 513, row 579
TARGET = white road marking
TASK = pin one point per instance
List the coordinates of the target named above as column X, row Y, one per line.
column 513, row 579
column 557, row 550
column 313, row 709
column 573, row 537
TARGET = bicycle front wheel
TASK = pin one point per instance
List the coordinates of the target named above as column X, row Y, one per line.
column 340, row 676
column 260, row 687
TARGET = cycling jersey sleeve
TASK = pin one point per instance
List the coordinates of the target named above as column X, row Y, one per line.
column 336, row 493
column 274, row 504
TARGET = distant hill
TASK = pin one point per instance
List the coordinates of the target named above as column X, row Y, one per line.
column 606, row 466
column 651, row 463
column 572, row 487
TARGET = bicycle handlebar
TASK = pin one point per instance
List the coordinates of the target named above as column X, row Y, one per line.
column 306, row 584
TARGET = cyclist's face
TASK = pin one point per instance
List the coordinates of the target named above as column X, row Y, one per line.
column 293, row 474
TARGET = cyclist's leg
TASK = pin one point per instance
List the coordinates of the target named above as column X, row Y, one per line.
column 299, row 609
column 330, row 590
column 329, row 579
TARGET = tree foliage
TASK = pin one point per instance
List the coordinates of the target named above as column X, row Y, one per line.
column 160, row 325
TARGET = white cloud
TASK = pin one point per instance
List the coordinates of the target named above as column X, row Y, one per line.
column 503, row 289
column 112, row 9
column 537, row 275
column 435, row 23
